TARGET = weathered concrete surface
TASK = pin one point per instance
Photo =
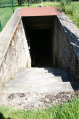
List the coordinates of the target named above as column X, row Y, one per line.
column 7, row 34
column 14, row 53
column 68, row 45
column 71, row 31
column 41, row 80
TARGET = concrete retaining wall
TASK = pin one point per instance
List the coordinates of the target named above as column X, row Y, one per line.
column 68, row 45
column 14, row 53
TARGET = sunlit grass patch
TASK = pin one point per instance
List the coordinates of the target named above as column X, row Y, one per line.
column 66, row 110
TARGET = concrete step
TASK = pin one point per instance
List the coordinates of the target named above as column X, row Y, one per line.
column 45, row 72
column 45, row 87
column 41, row 80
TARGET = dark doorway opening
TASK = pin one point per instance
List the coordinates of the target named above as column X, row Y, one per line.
column 40, row 48
column 39, row 34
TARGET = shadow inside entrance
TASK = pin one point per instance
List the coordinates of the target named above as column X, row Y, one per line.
column 40, row 50
column 65, row 77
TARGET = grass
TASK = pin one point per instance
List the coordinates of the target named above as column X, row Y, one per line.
column 5, row 14
column 75, row 16
column 68, row 110
column 72, row 10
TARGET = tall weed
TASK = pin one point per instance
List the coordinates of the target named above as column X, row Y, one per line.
column 66, row 7
column 69, row 10
column 63, row 5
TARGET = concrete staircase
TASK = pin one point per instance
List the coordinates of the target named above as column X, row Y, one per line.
column 41, row 80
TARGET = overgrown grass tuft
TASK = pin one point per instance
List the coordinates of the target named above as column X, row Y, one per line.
column 63, row 5
column 71, row 9
column 66, row 7
column 68, row 110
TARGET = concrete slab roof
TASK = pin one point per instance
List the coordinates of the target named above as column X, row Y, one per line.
column 39, row 11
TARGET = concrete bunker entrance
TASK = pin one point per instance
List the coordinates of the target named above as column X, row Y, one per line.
column 39, row 32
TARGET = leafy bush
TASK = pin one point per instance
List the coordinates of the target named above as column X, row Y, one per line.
column 20, row 2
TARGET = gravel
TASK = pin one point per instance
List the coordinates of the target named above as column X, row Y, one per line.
column 36, row 100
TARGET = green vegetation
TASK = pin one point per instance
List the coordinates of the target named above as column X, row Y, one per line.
column 68, row 110
column 75, row 16
column 5, row 14
column 37, row 5
column 20, row 2
column 72, row 10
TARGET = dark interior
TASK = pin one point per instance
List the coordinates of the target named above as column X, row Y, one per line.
column 38, row 35
column 40, row 48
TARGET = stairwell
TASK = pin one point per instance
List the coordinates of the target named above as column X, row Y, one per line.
column 38, row 87
column 41, row 80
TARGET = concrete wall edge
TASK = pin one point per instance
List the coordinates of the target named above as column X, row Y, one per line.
column 71, row 31
column 10, row 31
